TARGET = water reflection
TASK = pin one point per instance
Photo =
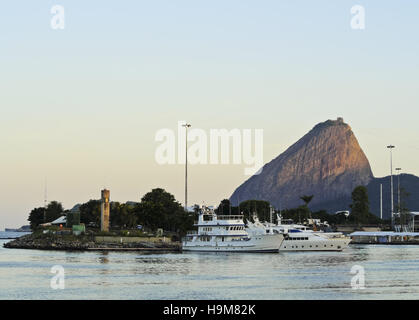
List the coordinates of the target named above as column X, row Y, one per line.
column 391, row 273
column 103, row 259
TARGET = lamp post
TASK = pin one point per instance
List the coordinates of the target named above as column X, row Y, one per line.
column 391, row 182
column 186, row 125
column 381, row 201
column 398, row 188
column 399, row 207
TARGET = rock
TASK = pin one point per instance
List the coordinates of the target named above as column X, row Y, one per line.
column 327, row 162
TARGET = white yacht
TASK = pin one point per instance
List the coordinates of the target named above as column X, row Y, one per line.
column 301, row 238
column 227, row 233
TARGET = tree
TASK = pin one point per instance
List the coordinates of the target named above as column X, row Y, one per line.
column 90, row 212
column 304, row 210
column 402, row 207
column 54, row 211
column 41, row 215
column 260, row 207
column 224, row 208
column 360, row 205
column 123, row 215
column 360, row 212
column 36, row 217
column 159, row 209
column 307, row 199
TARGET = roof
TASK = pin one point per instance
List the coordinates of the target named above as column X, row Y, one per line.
column 410, row 212
column 383, row 233
column 60, row 220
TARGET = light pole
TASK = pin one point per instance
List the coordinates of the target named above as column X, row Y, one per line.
column 399, row 207
column 391, row 181
column 381, row 201
column 186, row 125
column 398, row 187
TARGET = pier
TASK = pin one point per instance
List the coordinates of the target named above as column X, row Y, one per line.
column 384, row 237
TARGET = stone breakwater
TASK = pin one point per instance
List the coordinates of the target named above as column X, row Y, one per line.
column 61, row 243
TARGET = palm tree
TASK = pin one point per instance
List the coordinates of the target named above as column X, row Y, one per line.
column 307, row 200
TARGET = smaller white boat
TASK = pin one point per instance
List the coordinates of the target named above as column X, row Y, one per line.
column 299, row 237
column 228, row 233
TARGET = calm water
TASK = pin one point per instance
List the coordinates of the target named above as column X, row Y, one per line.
column 391, row 272
column 12, row 235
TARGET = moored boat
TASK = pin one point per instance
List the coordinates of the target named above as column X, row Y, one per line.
column 300, row 238
column 227, row 233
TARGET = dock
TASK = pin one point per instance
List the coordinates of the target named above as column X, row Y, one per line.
column 384, row 237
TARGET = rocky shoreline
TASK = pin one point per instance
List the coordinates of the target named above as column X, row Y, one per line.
column 86, row 243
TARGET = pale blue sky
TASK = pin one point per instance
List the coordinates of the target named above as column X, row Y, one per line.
column 81, row 106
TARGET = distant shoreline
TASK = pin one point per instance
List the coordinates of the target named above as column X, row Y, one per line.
column 10, row 235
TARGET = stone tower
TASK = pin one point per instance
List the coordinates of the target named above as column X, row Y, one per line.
column 104, row 210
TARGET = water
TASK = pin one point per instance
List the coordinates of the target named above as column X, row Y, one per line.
column 12, row 235
column 391, row 272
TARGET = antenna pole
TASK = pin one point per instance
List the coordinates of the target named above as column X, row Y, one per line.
column 45, row 201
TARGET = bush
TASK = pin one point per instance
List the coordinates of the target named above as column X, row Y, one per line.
column 105, row 233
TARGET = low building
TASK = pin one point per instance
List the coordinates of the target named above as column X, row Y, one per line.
column 59, row 221
column 384, row 237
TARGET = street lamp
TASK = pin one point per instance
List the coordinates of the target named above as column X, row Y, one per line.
column 391, row 179
column 399, row 206
column 398, row 187
column 186, row 125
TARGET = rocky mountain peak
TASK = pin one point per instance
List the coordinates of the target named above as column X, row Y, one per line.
column 327, row 162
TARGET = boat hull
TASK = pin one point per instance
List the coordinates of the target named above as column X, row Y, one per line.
column 266, row 244
column 317, row 245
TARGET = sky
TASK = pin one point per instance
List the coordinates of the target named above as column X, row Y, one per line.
column 80, row 106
